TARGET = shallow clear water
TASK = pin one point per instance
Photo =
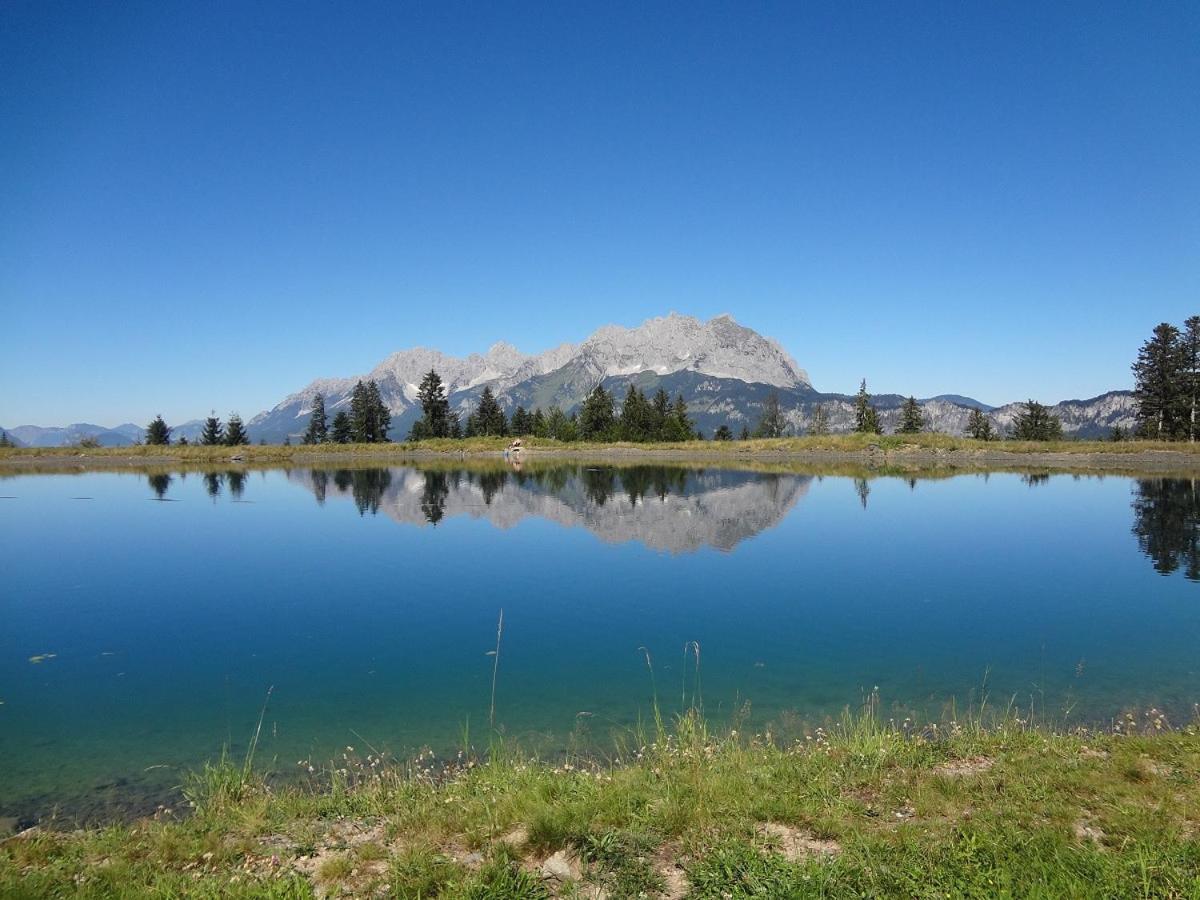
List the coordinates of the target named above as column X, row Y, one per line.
column 368, row 599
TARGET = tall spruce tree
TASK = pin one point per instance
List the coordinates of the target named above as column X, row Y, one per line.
column 360, row 415
column 537, row 424
column 679, row 425
column 379, row 415
column 637, row 417
column 235, row 432
column 745, row 435
column 157, row 432
column 1159, row 387
column 722, row 433
column 5, row 440
column 489, row 416
column 1035, row 422
column 660, row 410
column 866, row 417
column 318, row 424
column 596, row 420
column 521, row 423
column 212, row 433
column 911, row 419
column 772, row 423
column 556, row 424
column 1190, row 350
column 342, row 431
column 979, row 426
column 435, row 408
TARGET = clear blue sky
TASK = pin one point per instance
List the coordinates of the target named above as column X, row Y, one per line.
column 205, row 205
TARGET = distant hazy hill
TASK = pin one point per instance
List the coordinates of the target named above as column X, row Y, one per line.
column 66, row 436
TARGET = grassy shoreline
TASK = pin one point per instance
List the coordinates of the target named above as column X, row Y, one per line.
column 920, row 450
column 861, row 808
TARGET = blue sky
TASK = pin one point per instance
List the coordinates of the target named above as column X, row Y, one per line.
column 206, row 205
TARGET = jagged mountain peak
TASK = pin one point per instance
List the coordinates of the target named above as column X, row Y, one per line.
column 720, row 347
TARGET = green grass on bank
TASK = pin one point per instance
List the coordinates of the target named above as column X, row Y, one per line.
column 844, row 443
column 863, row 808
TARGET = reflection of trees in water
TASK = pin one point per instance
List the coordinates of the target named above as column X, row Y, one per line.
column 159, row 484
column 433, row 496
column 320, row 484
column 599, row 484
column 366, row 486
column 237, row 482
column 863, row 488
column 1035, row 479
column 1166, row 522
column 656, row 481
column 492, row 483
column 212, row 483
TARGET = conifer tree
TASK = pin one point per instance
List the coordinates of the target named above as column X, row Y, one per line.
column 342, row 431
column 489, row 416
column 379, row 418
column 1036, row 423
column 679, row 426
column 911, row 419
column 556, row 424
column 772, row 423
column 660, row 411
column 5, row 440
column 360, row 415
column 158, row 433
column 212, row 433
column 866, row 417
column 318, row 424
column 453, row 426
column 979, row 426
column 723, row 433
column 538, row 424
column 522, row 423
column 596, row 420
column 435, row 408
column 183, row 441
column 637, row 417
column 745, row 435
column 1190, row 351
column 235, row 432
column 1159, row 383
column 570, row 428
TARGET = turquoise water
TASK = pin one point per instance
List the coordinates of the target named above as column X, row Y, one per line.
column 368, row 599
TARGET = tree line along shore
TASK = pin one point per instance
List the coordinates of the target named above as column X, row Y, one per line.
column 1167, row 395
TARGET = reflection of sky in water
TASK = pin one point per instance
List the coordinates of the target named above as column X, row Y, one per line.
column 169, row 620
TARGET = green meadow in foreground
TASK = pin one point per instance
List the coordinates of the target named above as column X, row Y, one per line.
column 861, row 808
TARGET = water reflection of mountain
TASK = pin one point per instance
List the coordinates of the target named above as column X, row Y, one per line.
column 1166, row 521
column 670, row 509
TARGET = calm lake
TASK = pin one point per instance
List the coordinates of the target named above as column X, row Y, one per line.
column 146, row 615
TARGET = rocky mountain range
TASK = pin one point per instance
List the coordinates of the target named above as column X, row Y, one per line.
column 724, row 371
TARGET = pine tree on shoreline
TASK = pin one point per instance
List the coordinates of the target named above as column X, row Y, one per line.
column 213, row 433
column 866, row 417
column 157, row 432
column 318, row 425
column 911, row 419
